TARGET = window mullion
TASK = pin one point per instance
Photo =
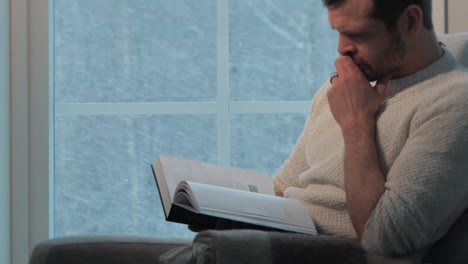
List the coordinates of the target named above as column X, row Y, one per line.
column 51, row 115
column 157, row 108
column 39, row 121
column 222, row 17
column 5, row 159
column 20, row 231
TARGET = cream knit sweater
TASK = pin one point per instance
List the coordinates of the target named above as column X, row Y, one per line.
column 422, row 141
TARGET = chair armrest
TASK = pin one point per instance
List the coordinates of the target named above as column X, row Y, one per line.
column 103, row 250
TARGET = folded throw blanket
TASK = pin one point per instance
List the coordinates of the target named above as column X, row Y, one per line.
column 262, row 247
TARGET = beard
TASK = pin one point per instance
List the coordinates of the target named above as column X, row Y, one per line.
column 388, row 61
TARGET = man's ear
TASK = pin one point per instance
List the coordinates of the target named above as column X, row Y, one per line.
column 411, row 20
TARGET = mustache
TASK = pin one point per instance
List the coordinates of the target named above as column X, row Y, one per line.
column 360, row 63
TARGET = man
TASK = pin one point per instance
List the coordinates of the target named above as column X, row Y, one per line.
column 385, row 162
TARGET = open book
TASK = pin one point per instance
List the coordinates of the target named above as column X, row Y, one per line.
column 194, row 192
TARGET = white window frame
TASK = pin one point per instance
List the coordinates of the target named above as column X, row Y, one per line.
column 4, row 132
column 30, row 139
column 439, row 16
column 28, row 213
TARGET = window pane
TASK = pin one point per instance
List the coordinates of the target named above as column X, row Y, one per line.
column 262, row 142
column 135, row 51
column 103, row 179
column 111, row 51
column 279, row 50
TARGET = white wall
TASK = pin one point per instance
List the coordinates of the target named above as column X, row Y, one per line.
column 458, row 16
column 4, row 132
column 438, row 16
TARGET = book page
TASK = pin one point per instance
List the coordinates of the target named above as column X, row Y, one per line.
column 163, row 190
column 248, row 205
column 177, row 169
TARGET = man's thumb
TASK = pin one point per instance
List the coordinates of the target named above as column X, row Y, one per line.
column 382, row 84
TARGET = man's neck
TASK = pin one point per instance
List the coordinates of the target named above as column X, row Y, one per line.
column 424, row 51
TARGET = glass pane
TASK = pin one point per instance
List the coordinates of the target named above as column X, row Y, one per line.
column 279, row 50
column 135, row 51
column 103, row 179
column 262, row 142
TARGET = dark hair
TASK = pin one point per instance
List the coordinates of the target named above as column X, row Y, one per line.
column 390, row 10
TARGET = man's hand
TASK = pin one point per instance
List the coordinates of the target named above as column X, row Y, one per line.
column 354, row 104
column 353, row 101
column 221, row 224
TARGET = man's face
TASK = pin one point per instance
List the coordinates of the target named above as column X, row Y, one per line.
column 375, row 50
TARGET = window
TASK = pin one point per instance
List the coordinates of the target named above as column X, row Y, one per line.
column 222, row 81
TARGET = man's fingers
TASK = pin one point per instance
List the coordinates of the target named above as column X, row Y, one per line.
column 340, row 68
column 278, row 193
column 195, row 228
column 350, row 65
column 382, row 84
column 222, row 224
column 345, row 64
column 200, row 227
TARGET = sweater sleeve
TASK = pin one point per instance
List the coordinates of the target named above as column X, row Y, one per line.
column 288, row 175
column 427, row 185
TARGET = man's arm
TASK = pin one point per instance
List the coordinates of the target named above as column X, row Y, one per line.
column 426, row 188
column 364, row 181
column 288, row 175
column 354, row 104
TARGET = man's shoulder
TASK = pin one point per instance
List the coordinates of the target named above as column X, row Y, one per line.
column 448, row 87
column 459, row 74
column 445, row 96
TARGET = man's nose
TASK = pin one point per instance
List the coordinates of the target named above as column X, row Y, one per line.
column 346, row 47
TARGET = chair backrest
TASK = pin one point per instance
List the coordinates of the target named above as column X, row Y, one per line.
column 458, row 45
column 453, row 247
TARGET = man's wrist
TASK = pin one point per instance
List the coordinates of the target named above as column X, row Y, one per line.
column 358, row 131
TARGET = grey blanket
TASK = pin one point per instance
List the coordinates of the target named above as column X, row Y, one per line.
column 262, row 247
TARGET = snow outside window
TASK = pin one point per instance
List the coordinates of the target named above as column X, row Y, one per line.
column 226, row 82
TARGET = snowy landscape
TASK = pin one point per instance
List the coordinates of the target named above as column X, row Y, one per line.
column 156, row 51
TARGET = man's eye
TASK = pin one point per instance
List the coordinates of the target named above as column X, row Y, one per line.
column 360, row 37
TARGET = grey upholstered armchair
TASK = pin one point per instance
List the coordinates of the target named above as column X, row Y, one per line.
column 144, row 250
